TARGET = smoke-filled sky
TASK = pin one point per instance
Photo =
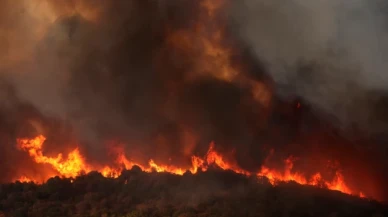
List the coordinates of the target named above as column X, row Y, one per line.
column 91, row 72
column 342, row 43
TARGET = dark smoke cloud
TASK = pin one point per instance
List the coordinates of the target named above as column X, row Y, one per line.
column 93, row 68
column 87, row 72
column 331, row 53
column 100, row 77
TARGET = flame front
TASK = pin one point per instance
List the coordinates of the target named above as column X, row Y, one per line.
column 75, row 165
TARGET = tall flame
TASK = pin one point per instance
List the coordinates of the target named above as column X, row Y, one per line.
column 70, row 167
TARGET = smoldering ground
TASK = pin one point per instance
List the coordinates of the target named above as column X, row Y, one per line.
column 91, row 73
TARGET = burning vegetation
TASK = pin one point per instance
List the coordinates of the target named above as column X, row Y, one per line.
column 124, row 87
column 75, row 165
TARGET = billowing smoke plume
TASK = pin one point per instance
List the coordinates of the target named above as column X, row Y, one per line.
column 331, row 53
column 95, row 74
column 107, row 72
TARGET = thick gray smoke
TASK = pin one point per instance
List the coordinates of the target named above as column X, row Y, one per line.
column 332, row 53
column 81, row 63
column 104, row 70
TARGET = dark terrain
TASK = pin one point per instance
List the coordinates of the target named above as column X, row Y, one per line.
column 213, row 193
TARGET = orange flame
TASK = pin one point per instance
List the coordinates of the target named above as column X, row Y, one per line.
column 75, row 164
column 212, row 157
column 24, row 179
column 213, row 58
column 72, row 166
column 274, row 176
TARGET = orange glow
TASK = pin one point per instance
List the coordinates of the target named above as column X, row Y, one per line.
column 70, row 167
column 206, row 42
column 197, row 163
column 75, row 164
column 212, row 157
column 38, row 16
column 275, row 176
column 110, row 172
column 24, row 179
column 164, row 168
column 212, row 6
column 338, row 182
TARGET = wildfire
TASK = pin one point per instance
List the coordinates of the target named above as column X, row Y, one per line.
column 70, row 167
column 212, row 157
column 24, row 179
column 275, row 176
column 338, row 182
column 75, row 165
column 213, row 58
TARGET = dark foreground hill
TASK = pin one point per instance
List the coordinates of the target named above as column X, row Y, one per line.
column 213, row 193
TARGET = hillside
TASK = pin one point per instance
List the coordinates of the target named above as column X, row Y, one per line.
column 211, row 193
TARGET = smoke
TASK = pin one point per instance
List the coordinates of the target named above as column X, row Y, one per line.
column 331, row 53
column 94, row 69
column 96, row 73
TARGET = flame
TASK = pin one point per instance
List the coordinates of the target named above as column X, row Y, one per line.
column 75, row 165
column 207, row 41
column 275, row 176
column 24, row 179
column 197, row 163
column 337, row 184
column 70, row 167
column 164, row 168
column 212, row 157
column 110, row 172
